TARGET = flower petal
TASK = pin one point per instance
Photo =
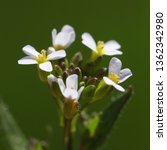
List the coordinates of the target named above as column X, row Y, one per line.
column 50, row 50
column 54, row 34
column 62, row 39
column 71, row 39
column 112, row 45
column 72, row 82
column 112, row 52
column 51, row 79
column 80, row 91
column 112, row 83
column 46, row 66
column 88, row 40
column 70, row 32
column 27, row 61
column 61, row 85
column 56, row 55
column 115, row 65
column 67, row 28
column 70, row 94
column 30, row 51
column 124, row 74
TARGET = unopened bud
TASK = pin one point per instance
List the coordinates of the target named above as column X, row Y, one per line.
column 78, row 72
column 82, row 84
column 77, row 59
column 63, row 65
column 101, row 72
column 53, row 85
column 65, row 75
column 92, row 81
column 58, row 71
column 87, row 94
column 102, row 90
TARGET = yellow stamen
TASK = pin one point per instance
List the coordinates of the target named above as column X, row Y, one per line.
column 100, row 47
column 114, row 77
column 42, row 57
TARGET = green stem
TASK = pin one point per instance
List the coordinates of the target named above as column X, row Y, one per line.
column 67, row 134
column 59, row 109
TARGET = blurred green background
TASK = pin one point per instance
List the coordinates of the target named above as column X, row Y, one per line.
column 30, row 22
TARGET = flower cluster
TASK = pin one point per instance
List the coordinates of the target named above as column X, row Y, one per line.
column 76, row 83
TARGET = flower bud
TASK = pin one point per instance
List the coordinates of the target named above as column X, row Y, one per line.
column 53, row 85
column 58, row 70
column 85, row 78
column 78, row 72
column 63, row 65
column 82, row 84
column 92, row 81
column 87, row 94
column 77, row 59
column 71, row 107
column 92, row 66
column 65, row 75
column 102, row 90
column 71, row 66
column 101, row 72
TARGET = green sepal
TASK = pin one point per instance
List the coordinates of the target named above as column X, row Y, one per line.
column 102, row 90
column 71, row 107
column 95, row 57
column 87, row 95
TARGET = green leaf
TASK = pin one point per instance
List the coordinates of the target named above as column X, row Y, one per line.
column 38, row 147
column 11, row 137
column 93, row 124
column 108, row 119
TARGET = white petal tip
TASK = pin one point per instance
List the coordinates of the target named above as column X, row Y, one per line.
column 46, row 66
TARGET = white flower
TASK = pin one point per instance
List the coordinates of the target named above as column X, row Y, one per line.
column 42, row 59
column 64, row 38
column 116, row 75
column 70, row 91
column 109, row 48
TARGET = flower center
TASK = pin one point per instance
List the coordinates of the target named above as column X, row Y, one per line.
column 42, row 57
column 59, row 47
column 114, row 77
column 100, row 46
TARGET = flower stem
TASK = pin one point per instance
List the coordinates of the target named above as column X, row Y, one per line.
column 67, row 134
